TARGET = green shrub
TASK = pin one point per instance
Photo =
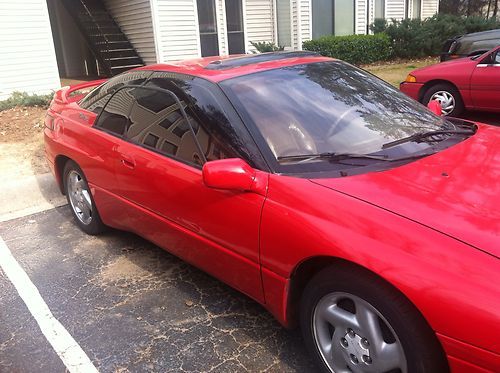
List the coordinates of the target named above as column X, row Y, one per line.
column 419, row 38
column 264, row 46
column 379, row 25
column 357, row 49
column 24, row 99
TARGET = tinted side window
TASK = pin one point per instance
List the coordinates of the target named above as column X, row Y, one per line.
column 96, row 99
column 115, row 116
column 209, row 107
column 156, row 122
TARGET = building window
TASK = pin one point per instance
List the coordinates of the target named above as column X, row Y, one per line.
column 208, row 28
column 332, row 17
column 235, row 33
column 283, row 21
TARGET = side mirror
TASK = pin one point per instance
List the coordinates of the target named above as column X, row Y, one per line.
column 229, row 174
column 435, row 107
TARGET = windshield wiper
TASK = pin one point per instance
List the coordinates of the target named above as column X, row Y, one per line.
column 344, row 156
column 423, row 135
column 331, row 156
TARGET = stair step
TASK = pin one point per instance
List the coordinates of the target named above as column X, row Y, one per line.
column 109, row 37
column 107, row 29
column 116, row 52
column 102, row 46
column 105, row 38
column 95, row 17
column 127, row 66
column 123, row 58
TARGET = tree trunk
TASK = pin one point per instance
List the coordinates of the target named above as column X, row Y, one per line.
column 495, row 10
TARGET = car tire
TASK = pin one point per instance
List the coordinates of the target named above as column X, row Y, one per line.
column 80, row 200
column 351, row 320
column 445, row 93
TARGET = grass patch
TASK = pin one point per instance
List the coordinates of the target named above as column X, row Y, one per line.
column 25, row 99
column 395, row 72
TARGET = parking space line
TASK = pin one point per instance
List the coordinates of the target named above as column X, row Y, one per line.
column 68, row 350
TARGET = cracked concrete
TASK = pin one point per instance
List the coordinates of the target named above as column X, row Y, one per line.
column 133, row 307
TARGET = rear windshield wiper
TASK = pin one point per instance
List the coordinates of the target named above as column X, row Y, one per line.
column 423, row 135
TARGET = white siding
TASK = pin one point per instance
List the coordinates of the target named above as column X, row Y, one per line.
column 371, row 12
column 221, row 26
column 360, row 14
column 134, row 18
column 429, row 8
column 28, row 61
column 259, row 21
column 395, row 9
column 305, row 20
column 176, row 29
column 296, row 44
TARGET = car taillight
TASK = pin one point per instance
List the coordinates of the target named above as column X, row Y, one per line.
column 49, row 122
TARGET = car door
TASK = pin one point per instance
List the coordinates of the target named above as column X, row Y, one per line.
column 161, row 178
column 100, row 142
column 485, row 83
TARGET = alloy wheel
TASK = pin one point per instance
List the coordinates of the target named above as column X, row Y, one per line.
column 79, row 197
column 353, row 336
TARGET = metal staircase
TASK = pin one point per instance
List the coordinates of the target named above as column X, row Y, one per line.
column 110, row 46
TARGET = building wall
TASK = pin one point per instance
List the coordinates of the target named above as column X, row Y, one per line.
column 395, row 9
column 135, row 20
column 429, row 8
column 259, row 21
column 221, row 26
column 176, row 29
column 305, row 11
column 28, row 61
column 360, row 12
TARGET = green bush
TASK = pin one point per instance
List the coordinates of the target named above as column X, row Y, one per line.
column 418, row 38
column 264, row 46
column 379, row 25
column 357, row 49
column 24, row 99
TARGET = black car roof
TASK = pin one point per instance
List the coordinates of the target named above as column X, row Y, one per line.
column 482, row 34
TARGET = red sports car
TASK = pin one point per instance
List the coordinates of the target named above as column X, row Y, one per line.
column 471, row 83
column 318, row 190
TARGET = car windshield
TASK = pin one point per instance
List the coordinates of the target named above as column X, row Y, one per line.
column 328, row 107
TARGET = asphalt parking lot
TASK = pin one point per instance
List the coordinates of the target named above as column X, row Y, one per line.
column 131, row 307
column 488, row 118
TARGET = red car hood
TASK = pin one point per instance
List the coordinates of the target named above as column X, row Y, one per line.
column 456, row 191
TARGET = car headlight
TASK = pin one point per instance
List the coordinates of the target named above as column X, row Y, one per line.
column 410, row 79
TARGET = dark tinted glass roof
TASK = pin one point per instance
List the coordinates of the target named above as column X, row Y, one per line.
column 256, row 58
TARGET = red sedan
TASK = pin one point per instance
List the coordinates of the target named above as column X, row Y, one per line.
column 318, row 190
column 471, row 83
